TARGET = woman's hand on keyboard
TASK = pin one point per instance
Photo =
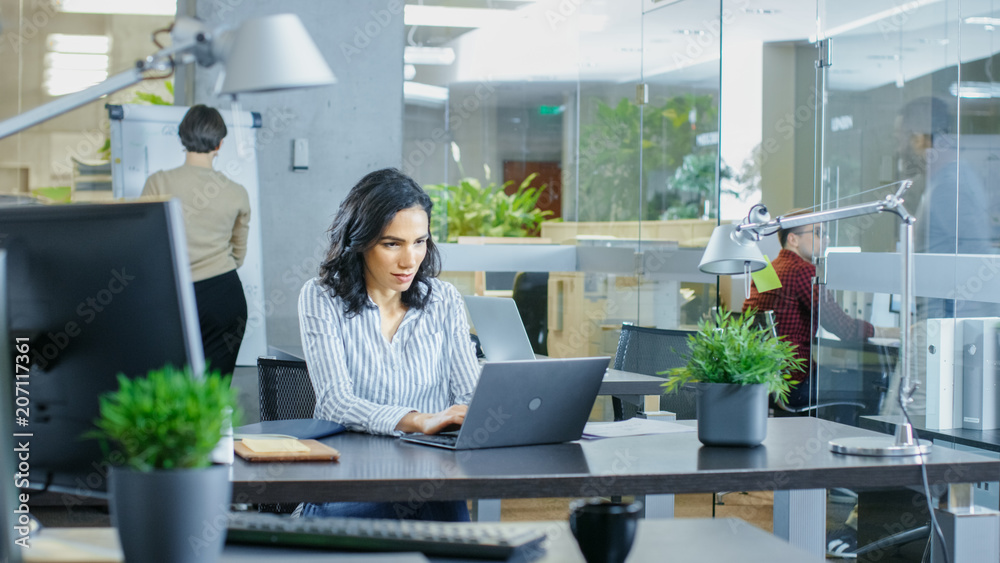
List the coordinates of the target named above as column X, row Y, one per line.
column 432, row 423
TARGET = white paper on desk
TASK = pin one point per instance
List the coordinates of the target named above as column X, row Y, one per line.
column 632, row 427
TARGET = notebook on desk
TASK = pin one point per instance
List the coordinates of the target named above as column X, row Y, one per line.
column 499, row 327
column 526, row 402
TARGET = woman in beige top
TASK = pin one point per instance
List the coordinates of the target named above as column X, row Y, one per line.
column 216, row 220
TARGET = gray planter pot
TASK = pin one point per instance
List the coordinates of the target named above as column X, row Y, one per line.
column 732, row 415
column 171, row 516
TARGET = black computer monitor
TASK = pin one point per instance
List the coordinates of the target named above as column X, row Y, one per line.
column 95, row 290
column 9, row 525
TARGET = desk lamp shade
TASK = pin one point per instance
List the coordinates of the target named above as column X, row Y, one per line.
column 727, row 256
column 258, row 54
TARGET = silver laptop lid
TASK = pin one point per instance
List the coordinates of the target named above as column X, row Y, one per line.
column 527, row 402
column 499, row 327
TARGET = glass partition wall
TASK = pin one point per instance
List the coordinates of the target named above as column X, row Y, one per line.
column 613, row 111
column 656, row 120
column 910, row 96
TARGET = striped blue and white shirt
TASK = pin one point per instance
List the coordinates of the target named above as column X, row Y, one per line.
column 367, row 383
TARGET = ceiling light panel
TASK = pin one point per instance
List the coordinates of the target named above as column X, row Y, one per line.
column 58, row 82
column 979, row 20
column 974, row 90
column 92, row 44
column 137, row 7
column 445, row 16
column 74, row 62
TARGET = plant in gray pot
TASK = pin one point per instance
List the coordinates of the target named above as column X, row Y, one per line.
column 168, row 502
column 734, row 365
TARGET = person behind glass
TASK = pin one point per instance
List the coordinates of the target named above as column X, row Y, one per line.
column 948, row 198
column 793, row 304
column 216, row 224
column 386, row 342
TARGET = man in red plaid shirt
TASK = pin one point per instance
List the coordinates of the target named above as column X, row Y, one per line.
column 792, row 303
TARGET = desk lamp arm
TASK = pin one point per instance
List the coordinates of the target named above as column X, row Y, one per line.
column 758, row 224
column 191, row 41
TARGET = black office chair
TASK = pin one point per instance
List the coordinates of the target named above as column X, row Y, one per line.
column 766, row 319
column 285, row 392
column 531, row 295
column 648, row 351
column 285, row 389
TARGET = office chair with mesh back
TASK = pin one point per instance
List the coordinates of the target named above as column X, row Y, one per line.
column 648, row 351
column 285, row 389
column 285, row 392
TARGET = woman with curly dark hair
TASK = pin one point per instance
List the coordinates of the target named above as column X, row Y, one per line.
column 386, row 342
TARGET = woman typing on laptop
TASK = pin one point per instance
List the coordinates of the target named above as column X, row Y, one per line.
column 386, row 342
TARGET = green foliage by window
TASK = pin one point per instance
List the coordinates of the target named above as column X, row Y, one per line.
column 469, row 209
column 733, row 349
column 612, row 138
column 168, row 419
column 692, row 184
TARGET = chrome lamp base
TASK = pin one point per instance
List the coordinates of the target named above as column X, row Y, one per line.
column 903, row 444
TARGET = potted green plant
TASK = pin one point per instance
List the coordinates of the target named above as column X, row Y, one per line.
column 735, row 364
column 471, row 209
column 168, row 502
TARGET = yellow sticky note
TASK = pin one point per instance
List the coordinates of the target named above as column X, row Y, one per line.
column 267, row 446
column 766, row 279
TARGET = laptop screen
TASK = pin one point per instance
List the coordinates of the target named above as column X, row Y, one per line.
column 499, row 327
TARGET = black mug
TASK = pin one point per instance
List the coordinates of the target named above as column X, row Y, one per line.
column 604, row 530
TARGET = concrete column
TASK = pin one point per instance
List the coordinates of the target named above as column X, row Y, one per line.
column 353, row 127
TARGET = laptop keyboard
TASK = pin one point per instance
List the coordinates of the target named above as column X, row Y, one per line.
column 446, row 539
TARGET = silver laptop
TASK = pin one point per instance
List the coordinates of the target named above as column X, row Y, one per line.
column 499, row 327
column 526, row 402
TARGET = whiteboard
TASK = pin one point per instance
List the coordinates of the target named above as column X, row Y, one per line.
column 144, row 140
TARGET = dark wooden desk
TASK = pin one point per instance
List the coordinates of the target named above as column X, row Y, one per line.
column 983, row 439
column 722, row 540
column 794, row 460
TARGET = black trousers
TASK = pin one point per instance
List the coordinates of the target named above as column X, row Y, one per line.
column 222, row 313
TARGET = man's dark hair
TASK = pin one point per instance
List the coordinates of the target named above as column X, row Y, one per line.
column 926, row 115
column 362, row 219
column 202, row 129
column 783, row 236
column 783, row 233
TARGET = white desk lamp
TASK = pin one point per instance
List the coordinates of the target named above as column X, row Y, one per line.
column 732, row 250
column 259, row 55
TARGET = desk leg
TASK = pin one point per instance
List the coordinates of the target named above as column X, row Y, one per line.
column 659, row 506
column 971, row 533
column 651, row 403
column 486, row 510
column 800, row 518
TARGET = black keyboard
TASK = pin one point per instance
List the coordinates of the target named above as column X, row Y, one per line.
column 445, row 539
